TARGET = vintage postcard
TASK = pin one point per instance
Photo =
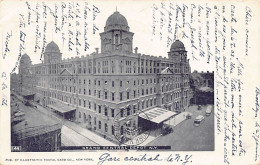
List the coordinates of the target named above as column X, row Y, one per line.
column 129, row 82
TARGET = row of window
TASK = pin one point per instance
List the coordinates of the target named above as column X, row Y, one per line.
column 105, row 125
column 105, row 69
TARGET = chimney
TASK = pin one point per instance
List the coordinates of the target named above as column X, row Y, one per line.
column 97, row 50
column 136, row 49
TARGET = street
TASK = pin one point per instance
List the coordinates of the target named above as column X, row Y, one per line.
column 187, row 137
column 69, row 137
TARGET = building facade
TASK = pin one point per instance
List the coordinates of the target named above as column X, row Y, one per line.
column 115, row 83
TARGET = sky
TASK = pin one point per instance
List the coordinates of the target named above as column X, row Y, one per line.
column 142, row 16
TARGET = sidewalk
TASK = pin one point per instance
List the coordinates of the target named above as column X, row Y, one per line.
column 88, row 134
column 77, row 128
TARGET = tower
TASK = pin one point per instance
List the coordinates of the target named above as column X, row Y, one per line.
column 178, row 52
column 25, row 64
column 52, row 53
column 116, row 36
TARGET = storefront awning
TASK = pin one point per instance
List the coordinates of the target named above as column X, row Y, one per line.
column 157, row 115
column 62, row 108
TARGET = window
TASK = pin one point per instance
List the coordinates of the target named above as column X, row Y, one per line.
column 89, row 92
column 84, row 102
column 134, row 108
column 79, row 115
column 112, row 130
column 99, row 94
column 128, row 95
column 98, row 82
column 121, row 130
column 89, row 105
column 105, row 111
column 112, row 113
column 128, row 111
column 142, row 91
column 134, row 82
column 105, row 95
column 99, row 109
column 79, row 102
column 147, row 91
column 99, row 124
column 95, row 121
column 121, row 83
column 113, row 83
column 89, row 82
column 121, row 96
column 134, row 94
column 105, row 127
column 122, row 112
column 113, row 96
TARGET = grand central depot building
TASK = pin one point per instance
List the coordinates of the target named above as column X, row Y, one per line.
column 115, row 83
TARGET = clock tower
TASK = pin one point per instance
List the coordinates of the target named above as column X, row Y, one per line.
column 116, row 36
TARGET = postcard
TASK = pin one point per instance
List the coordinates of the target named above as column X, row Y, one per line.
column 129, row 82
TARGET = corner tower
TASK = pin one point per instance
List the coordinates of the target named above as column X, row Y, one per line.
column 177, row 52
column 52, row 53
column 25, row 64
column 116, row 35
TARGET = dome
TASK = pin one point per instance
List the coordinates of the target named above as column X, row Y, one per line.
column 116, row 19
column 25, row 57
column 177, row 45
column 52, row 47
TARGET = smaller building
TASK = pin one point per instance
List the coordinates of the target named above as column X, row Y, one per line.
column 202, row 85
column 34, row 131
